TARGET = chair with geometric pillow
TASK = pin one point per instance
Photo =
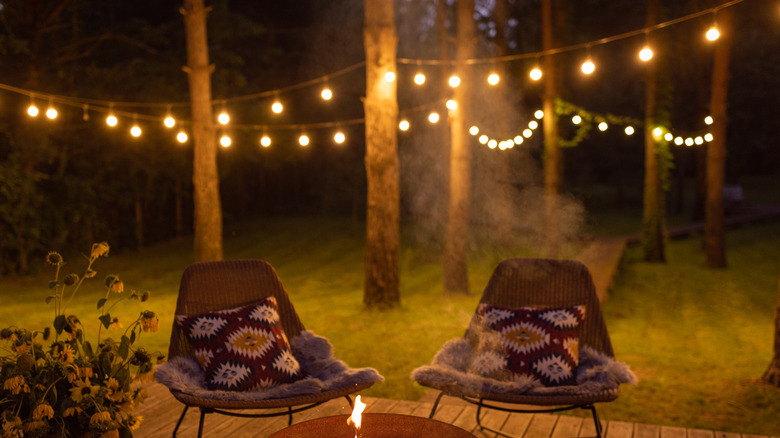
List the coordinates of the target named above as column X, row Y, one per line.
column 238, row 344
column 538, row 338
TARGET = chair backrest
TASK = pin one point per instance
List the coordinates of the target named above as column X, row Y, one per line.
column 527, row 282
column 210, row 286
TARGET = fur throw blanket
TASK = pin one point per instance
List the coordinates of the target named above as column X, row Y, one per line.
column 448, row 371
column 314, row 353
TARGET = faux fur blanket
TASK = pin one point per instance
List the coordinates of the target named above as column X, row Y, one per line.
column 314, row 353
column 595, row 373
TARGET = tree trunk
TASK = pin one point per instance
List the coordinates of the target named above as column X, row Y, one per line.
column 553, row 160
column 772, row 374
column 653, row 229
column 205, row 180
column 456, row 277
column 714, row 228
column 383, row 246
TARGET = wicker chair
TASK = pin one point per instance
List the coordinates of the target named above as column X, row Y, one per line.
column 521, row 282
column 209, row 286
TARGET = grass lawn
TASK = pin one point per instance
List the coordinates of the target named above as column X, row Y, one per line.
column 697, row 338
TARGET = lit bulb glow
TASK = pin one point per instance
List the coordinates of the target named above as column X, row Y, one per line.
column 111, row 120
column 698, row 140
column 588, row 67
column 225, row 141
column 181, row 137
column 403, row 125
column 454, row 81
column 708, row 120
column 419, row 79
column 646, row 54
column 678, row 141
column 169, row 122
column 51, row 113
column 518, row 139
column 576, row 119
column 135, row 131
column 713, row 34
column 603, row 126
column 483, row 139
column 303, row 140
column 668, row 136
column 474, row 130
column 452, row 105
column 658, row 132
column 536, row 73
column 539, row 114
column 493, row 79
column 277, row 107
column 708, row 137
column 688, row 142
column 265, row 141
column 32, row 110
column 527, row 133
column 629, row 130
column 326, row 94
column 533, row 124
column 339, row 137
column 223, row 118
column 390, row 76
column 492, row 144
column 433, row 117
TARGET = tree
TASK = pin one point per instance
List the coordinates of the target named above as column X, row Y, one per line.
column 714, row 228
column 208, row 208
column 456, row 238
column 653, row 224
column 772, row 374
column 383, row 246
column 553, row 161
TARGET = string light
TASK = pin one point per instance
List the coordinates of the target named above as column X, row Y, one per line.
column 419, row 79
column 433, row 117
column 452, row 105
column 588, row 66
column 698, row 140
column 135, row 131
column 689, row 142
column 492, row 144
column 668, row 136
column 326, row 94
column 339, row 137
column 533, row 124
column 539, row 114
column 708, row 137
column 303, row 140
column 181, row 137
column 518, row 139
column 535, row 74
column 390, row 76
column 603, row 126
column 576, row 119
column 527, row 133
column 646, row 53
column 454, row 81
column 658, row 132
column 277, row 107
column 225, row 141
column 713, row 33
column 223, row 118
column 483, row 139
column 629, row 130
column 474, row 130
column 708, row 120
column 51, row 112
column 493, row 79
column 169, row 122
column 265, row 141
column 32, row 110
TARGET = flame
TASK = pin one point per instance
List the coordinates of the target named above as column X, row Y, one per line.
column 355, row 418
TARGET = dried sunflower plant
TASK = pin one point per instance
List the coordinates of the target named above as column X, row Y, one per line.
column 68, row 386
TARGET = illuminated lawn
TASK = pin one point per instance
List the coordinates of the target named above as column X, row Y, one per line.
column 698, row 339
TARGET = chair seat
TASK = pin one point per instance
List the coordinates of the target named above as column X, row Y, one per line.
column 607, row 395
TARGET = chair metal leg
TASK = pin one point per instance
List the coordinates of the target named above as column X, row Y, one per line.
column 203, row 413
column 181, row 418
column 349, row 400
column 489, row 429
column 435, row 405
column 596, row 421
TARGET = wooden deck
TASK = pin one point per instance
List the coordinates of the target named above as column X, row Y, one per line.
column 161, row 411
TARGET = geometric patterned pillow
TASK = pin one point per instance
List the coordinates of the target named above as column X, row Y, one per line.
column 541, row 342
column 242, row 349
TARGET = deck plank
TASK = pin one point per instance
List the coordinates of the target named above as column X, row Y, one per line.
column 620, row 429
column 647, row 431
column 567, row 427
column 699, row 433
column 541, row 426
column 672, row 432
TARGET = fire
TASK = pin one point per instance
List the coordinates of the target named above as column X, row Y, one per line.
column 355, row 418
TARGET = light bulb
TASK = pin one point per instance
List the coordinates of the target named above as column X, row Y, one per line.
column 629, row 130
column 326, row 94
column 576, row 119
column 688, row 142
column 225, row 141
column 678, row 141
column 169, row 122
column 603, row 126
column 433, row 117
column 483, row 139
column 588, row 67
column 646, row 54
column 713, row 33
column 533, row 124
column 419, row 79
column 493, row 79
column 181, row 136
column 403, row 125
column 51, row 113
column 518, row 139
column 339, row 137
column 135, row 131
column 708, row 137
column 539, row 114
column 492, row 144
column 698, row 140
column 452, row 105
column 303, row 140
column 111, row 120
column 657, row 132
column 223, row 118
column 454, row 81
column 708, row 120
column 527, row 133
column 390, row 76
column 32, row 110
column 265, row 141
column 473, row 130
column 277, row 107
column 536, row 73
column 668, row 136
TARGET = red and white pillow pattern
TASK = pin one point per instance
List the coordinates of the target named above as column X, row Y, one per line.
column 536, row 341
column 242, row 349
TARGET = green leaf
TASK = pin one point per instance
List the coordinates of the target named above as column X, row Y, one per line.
column 132, row 336
column 105, row 319
column 88, row 349
column 59, row 323
column 124, row 347
column 53, row 284
column 101, row 302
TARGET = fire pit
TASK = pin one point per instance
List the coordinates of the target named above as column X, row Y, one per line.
column 374, row 426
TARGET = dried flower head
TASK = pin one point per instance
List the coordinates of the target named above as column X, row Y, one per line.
column 99, row 249
column 134, row 421
column 145, row 296
column 25, row 362
column 70, row 279
column 81, row 389
column 149, row 321
column 42, row 411
column 98, row 417
column 54, row 258
column 16, row 384
column 90, row 273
